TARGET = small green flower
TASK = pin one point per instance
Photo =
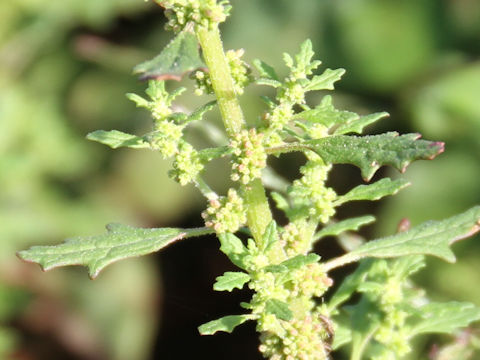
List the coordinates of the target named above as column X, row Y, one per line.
column 249, row 156
column 225, row 214
column 166, row 138
column 187, row 164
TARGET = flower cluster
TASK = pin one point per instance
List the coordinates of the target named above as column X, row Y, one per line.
column 187, row 164
column 249, row 157
column 225, row 214
column 311, row 196
column 166, row 138
column 202, row 13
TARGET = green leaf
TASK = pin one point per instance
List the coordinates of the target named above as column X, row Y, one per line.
column 231, row 280
column 214, row 153
column 96, row 252
column 233, row 247
column 278, row 308
column 375, row 191
column 345, row 225
column 181, row 55
column 343, row 335
column 445, row 317
column 293, row 264
column 356, row 126
column 326, row 114
column 198, row 113
column 226, row 324
column 116, row 139
column 325, row 81
column 270, row 236
column 280, row 201
column 430, row 238
column 268, row 82
column 265, row 70
column 371, row 152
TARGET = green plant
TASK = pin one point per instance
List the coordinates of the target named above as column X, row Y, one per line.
column 277, row 262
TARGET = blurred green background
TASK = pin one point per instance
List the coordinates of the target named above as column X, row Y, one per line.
column 64, row 69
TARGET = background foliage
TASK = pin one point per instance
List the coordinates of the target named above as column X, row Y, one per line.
column 65, row 67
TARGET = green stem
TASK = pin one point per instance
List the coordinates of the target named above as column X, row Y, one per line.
column 258, row 210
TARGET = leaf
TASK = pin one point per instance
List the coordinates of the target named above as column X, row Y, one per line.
column 268, row 82
column 326, row 114
column 325, row 81
column 116, row 139
column 226, row 324
column 181, row 55
column 375, row 191
column 231, row 280
column 233, row 247
column 345, row 225
column 278, row 308
column 270, row 236
column 96, row 252
column 356, row 126
column 214, row 153
column 429, row 238
column 343, row 335
column 371, row 152
column 293, row 264
column 445, row 317
column 198, row 113
column 265, row 70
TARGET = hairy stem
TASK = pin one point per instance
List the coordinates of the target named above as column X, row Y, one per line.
column 258, row 210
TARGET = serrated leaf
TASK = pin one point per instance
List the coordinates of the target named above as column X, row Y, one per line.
column 371, row 152
column 265, row 70
column 293, row 264
column 181, row 55
column 268, row 82
column 325, row 81
column 357, row 125
column 430, row 238
column 209, row 154
column 231, row 280
column 226, row 324
column 270, row 236
column 116, row 139
column 233, row 247
column 278, row 308
column 96, row 252
column 326, row 114
column 344, row 225
column 445, row 317
column 280, row 201
column 375, row 191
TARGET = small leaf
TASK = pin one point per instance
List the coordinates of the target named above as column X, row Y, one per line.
column 181, row 55
column 209, row 154
column 343, row 335
column 280, row 201
column 430, row 238
column 233, row 247
column 268, row 82
column 300, row 261
column 96, row 252
column 270, row 236
column 116, row 139
column 445, row 318
column 373, row 191
column 345, row 225
column 278, row 308
column 226, row 324
column 371, row 152
column 198, row 113
column 231, row 280
column 326, row 114
column 356, row 126
column 265, row 70
column 325, row 81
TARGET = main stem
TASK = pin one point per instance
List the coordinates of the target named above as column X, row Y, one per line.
column 258, row 210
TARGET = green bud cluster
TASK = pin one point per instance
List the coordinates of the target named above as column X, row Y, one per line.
column 249, row 156
column 187, row 164
column 225, row 214
column 166, row 138
column 202, row 13
column 293, row 240
column 304, row 339
column 238, row 69
column 310, row 194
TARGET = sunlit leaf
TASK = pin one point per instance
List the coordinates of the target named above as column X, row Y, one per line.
column 226, row 324
column 278, row 308
column 373, row 191
column 116, row 139
column 344, row 225
column 231, row 280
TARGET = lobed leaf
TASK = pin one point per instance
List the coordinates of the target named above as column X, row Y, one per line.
column 270, row 236
column 375, row 191
column 325, row 81
column 96, row 252
column 369, row 153
column 198, row 113
column 326, row 114
column 344, row 225
column 294, row 263
column 265, row 70
column 356, row 125
column 430, row 238
column 233, row 247
column 445, row 317
column 231, row 280
column 278, row 308
column 181, row 55
column 226, row 324
column 116, row 139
